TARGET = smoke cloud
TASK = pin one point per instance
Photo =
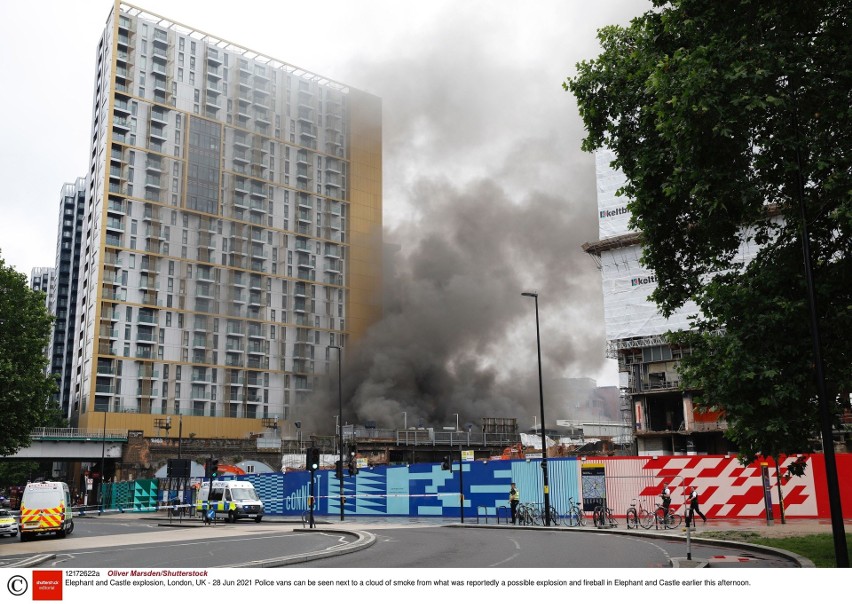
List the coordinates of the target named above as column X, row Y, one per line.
column 487, row 195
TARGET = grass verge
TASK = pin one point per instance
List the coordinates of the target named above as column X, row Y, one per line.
column 818, row 548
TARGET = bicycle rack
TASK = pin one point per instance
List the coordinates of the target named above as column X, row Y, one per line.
column 503, row 512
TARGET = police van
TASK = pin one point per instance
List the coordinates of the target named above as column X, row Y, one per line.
column 233, row 499
column 46, row 508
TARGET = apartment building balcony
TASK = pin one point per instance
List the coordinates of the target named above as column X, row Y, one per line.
column 200, row 342
column 206, row 255
column 157, row 134
column 205, row 290
column 211, row 101
column 257, row 348
column 112, row 259
column 242, row 142
column 304, row 260
column 214, row 74
column 213, row 57
column 146, row 284
column 121, row 107
column 107, row 348
column 303, row 351
column 146, row 316
column 121, row 124
column 114, row 240
column 334, row 148
column 302, row 366
column 306, row 319
column 333, row 266
column 161, row 38
column 106, row 367
column 144, row 351
column 259, row 190
column 261, row 117
column 201, row 357
column 109, row 333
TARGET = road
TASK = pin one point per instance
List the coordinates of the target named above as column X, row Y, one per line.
column 133, row 542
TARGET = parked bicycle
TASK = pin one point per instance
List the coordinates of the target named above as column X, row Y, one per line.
column 638, row 515
column 575, row 515
column 671, row 520
column 603, row 518
column 526, row 514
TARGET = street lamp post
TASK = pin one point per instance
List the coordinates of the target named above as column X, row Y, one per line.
column 541, row 411
column 103, row 456
column 340, row 427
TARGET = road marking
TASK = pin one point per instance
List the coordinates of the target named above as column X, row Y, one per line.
column 513, row 556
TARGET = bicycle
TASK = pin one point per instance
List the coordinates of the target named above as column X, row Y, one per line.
column 638, row 515
column 575, row 515
column 603, row 518
column 525, row 514
column 668, row 521
column 631, row 516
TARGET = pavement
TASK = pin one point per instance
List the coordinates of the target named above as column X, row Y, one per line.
column 720, row 531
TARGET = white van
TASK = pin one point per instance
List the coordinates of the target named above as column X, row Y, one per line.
column 46, row 508
column 234, row 498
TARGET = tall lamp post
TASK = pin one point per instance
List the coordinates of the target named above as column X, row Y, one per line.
column 541, row 411
column 340, row 428
column 103, row 458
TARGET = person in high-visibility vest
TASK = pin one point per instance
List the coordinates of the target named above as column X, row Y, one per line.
column 514, row 499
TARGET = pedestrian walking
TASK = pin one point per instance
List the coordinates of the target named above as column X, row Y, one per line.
column 514, row 499
column 692, row 499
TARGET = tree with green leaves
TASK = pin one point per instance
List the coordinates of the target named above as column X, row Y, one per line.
column 728, row 118
column 25, row 388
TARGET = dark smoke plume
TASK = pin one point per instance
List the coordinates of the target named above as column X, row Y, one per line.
column 457, row 336
column 487, row 194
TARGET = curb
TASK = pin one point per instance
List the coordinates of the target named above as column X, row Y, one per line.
column 31, row 561
column 363, row 541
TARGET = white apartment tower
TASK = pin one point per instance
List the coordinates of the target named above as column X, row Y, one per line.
column 232, row 231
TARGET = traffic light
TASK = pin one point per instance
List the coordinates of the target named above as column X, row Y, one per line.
column 211, row 468
column 446, row 464
column 338, row 469
column 312, row 459
column 353, row 467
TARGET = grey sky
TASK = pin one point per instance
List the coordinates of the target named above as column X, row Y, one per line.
column 473, row 110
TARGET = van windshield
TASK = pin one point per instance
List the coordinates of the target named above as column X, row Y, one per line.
column 243, row 493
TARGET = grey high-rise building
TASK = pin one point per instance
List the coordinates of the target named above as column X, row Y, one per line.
column 232, row 231
column 63, row 293
column 41, row 279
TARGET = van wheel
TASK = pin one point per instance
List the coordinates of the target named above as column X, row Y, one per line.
column 25, row 536
column 258, row 519
column 232, row 518
column 63, row 532
column 70, row 528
